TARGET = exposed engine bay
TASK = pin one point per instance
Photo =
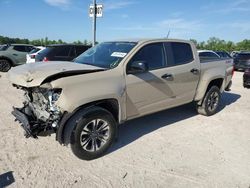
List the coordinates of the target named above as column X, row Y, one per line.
column 40, row 115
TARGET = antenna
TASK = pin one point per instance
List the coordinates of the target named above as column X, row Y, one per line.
column 168, row 33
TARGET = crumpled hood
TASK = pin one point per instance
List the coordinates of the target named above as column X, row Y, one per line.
column 33, row 74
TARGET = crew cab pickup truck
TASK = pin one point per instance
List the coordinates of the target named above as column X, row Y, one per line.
column 84, row 101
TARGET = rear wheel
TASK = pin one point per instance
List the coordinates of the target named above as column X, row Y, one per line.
column 5, row 65
column 210, row 102
column 94, row 133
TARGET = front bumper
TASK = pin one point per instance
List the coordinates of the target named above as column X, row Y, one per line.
column 23, row 119
column 32, row 127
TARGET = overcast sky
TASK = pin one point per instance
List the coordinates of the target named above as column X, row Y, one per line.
column 68, row 19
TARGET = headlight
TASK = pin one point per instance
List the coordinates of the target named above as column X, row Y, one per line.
column 53, row 96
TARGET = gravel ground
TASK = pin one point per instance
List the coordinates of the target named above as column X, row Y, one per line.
column 173, row 148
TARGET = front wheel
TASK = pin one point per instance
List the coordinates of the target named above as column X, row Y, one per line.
column 94, row 133
column 210, row 102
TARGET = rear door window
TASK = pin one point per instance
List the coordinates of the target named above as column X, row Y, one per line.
column 20, row 48
column 178, row 53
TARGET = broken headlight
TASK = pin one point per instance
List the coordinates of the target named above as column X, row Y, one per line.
column 53, row 96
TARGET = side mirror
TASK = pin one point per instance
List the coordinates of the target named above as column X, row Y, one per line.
column 137, row 67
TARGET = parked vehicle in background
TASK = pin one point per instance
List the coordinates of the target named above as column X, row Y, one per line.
column 208, row 55
column 30, row 57
column 233, row 53
column 223, row 54
column 61, row 52
column 246, row 79
column 242, row 61
column 13, row 55
column 84, row 102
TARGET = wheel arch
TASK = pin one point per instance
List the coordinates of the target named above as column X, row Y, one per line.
column 67, row 125
column 8, row 59
column 219, row 82
column 216, row 82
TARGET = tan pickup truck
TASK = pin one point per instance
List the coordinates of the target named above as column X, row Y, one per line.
column 84, row 101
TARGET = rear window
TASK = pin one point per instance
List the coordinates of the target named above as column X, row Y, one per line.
column 178, row 53
column 4, row 47
column 46, row 51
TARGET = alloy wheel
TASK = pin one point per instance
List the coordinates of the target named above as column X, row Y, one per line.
column 95, row 135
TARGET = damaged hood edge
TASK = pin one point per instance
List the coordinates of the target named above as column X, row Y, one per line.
column 36, row 74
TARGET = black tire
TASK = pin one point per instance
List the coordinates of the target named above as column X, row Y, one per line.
column 210, row 102
column 82, row 142
column 5, row 65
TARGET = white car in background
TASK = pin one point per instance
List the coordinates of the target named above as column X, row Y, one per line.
column 208, row 55
column 30, row 57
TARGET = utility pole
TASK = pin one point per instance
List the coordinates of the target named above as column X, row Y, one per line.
column 94, row 23
column 95, row 11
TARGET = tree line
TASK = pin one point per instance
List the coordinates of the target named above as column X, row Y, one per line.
column 215, row 44
column 38, row 42
column 212, row 43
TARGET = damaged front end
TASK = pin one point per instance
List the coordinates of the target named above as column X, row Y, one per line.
column 40, row 115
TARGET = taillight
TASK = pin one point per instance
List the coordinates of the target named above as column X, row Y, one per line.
column 45, row 59
column 33, row 56
column 233, row 71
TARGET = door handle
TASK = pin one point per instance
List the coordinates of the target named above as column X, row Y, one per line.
column 168, row 77
column 194, row 71
column 15, row 54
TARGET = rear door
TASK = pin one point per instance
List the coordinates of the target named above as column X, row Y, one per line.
column 19, row 53
column 171, row 80
column 185, row 71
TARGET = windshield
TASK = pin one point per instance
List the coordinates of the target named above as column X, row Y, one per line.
column 106, row 55
column 4, row 47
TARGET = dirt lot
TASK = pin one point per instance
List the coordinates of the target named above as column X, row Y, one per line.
column 173, row 148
